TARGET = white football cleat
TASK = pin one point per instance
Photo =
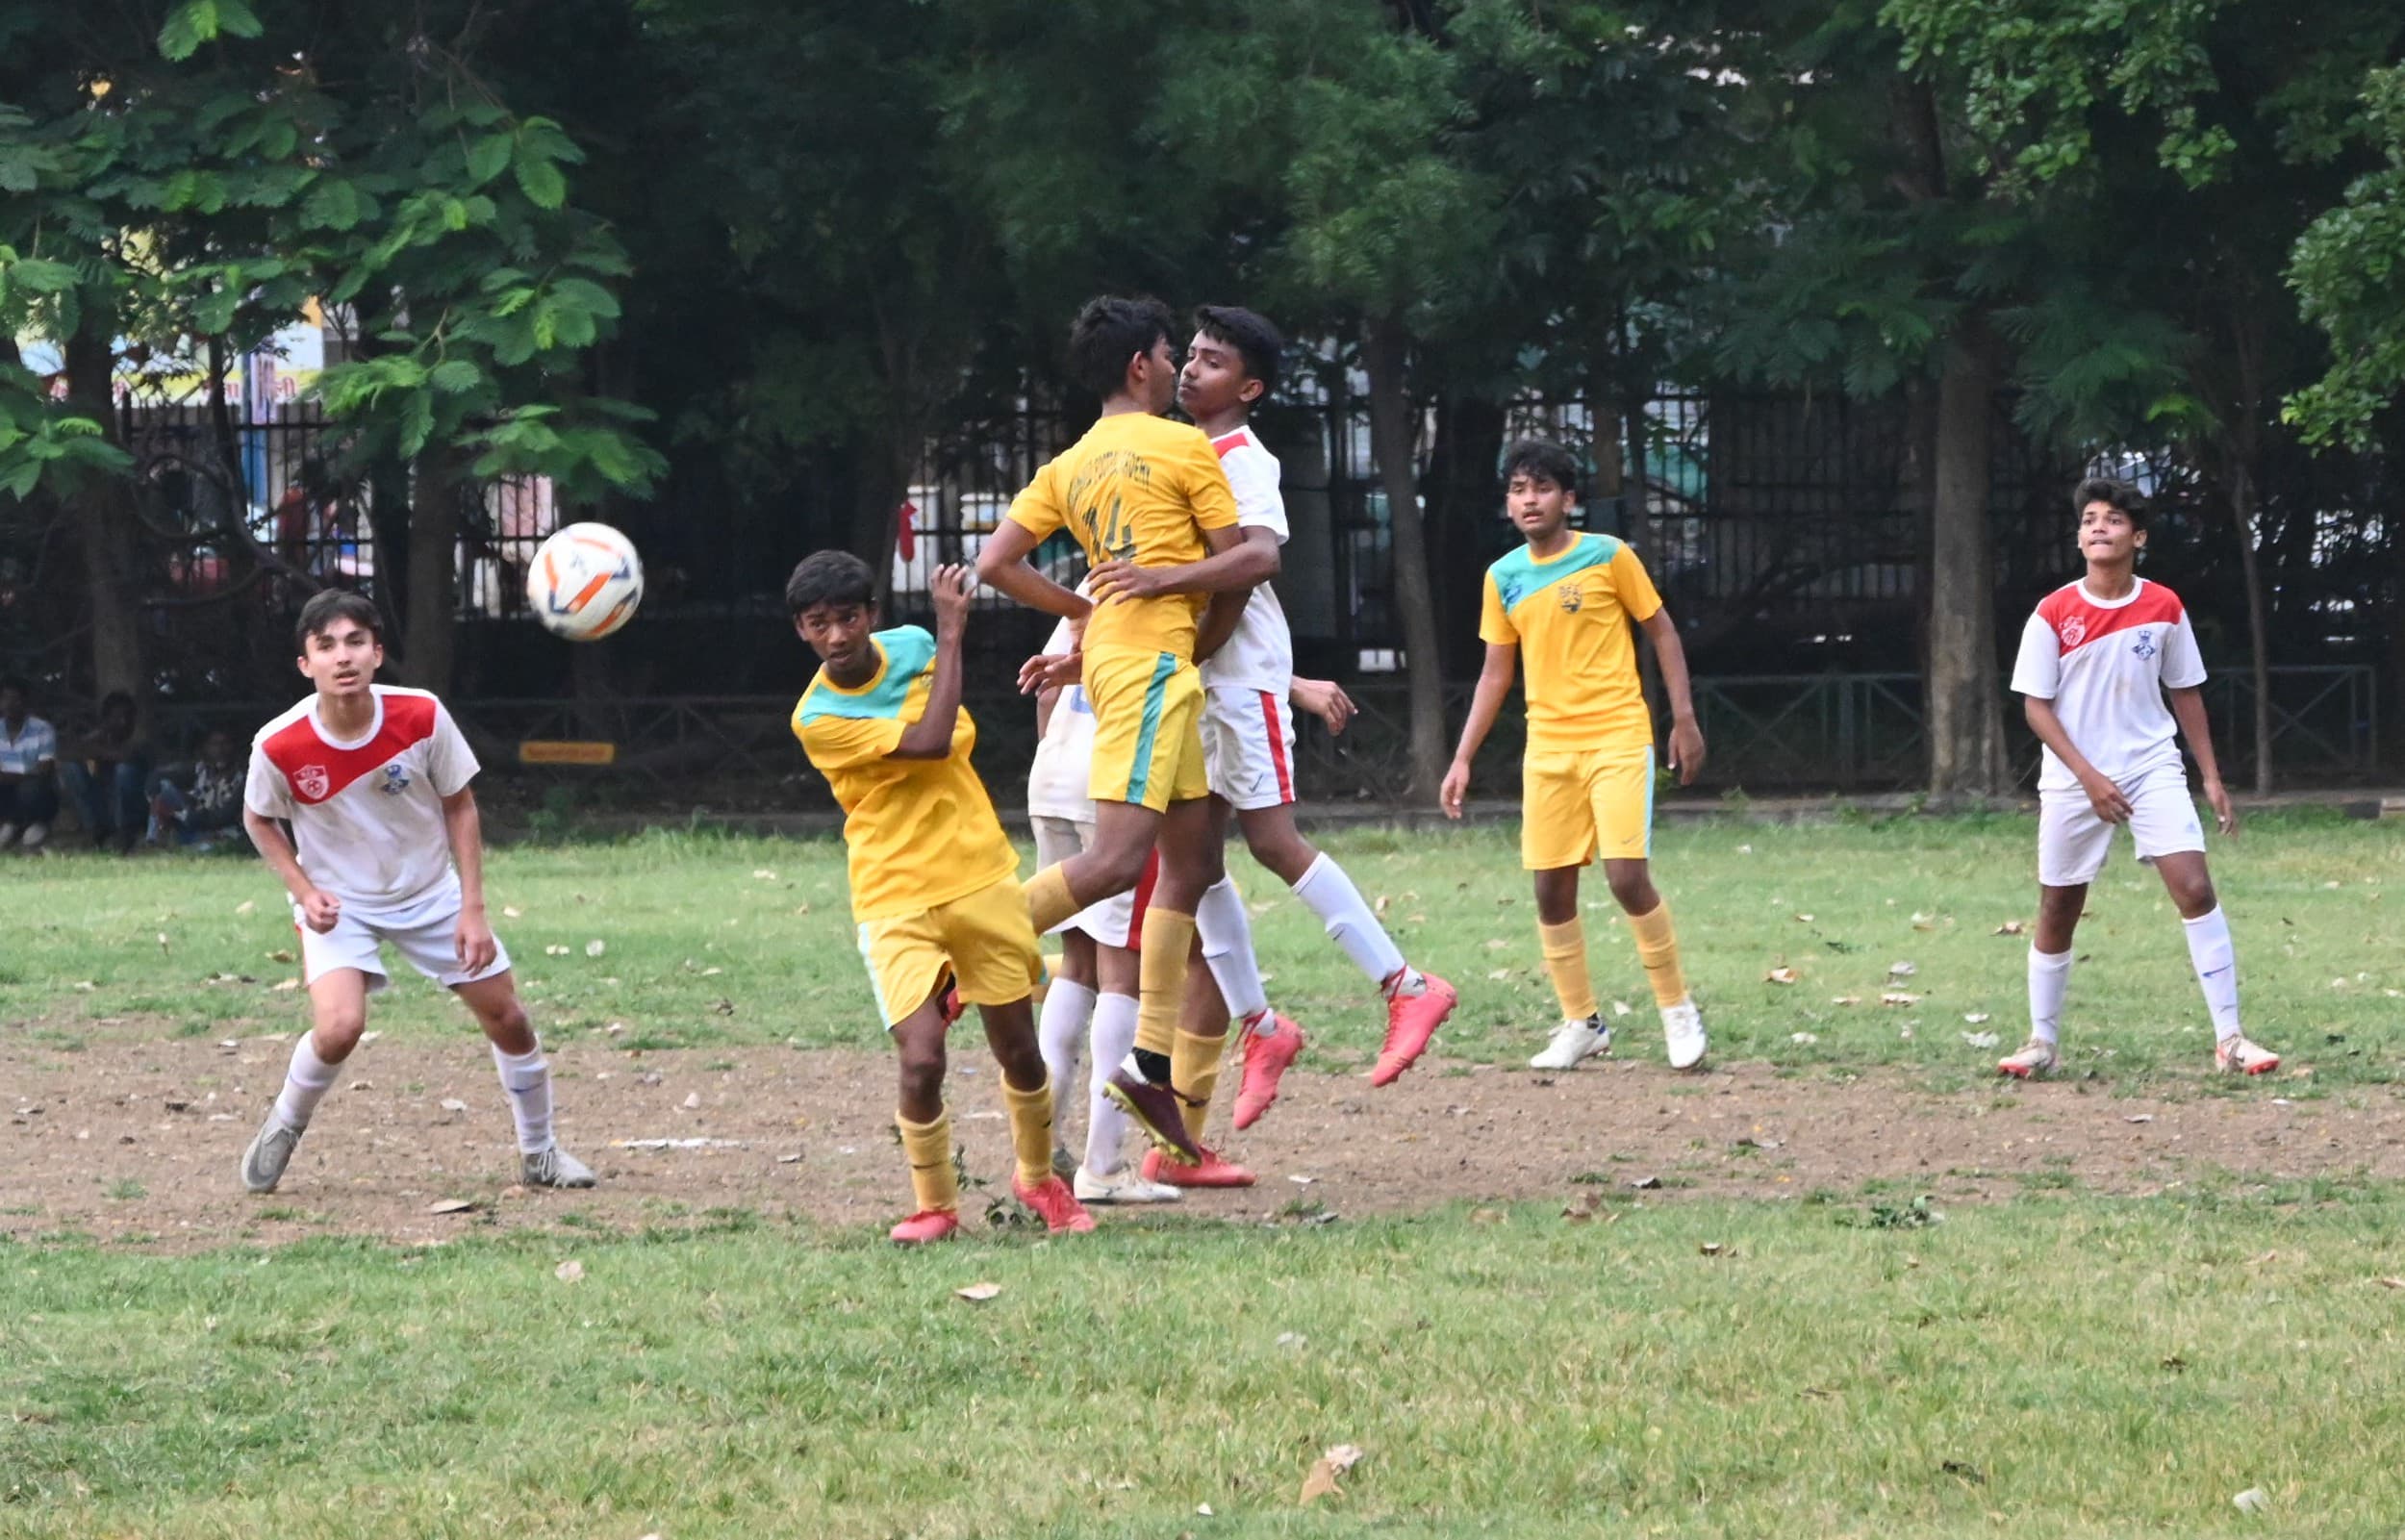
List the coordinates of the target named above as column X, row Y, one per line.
column 1572, row 1042
column 2240, row 1056
column 1683, row 1033
column 2035, row 1059
column 270, row 1151
column 1122, row 1186
column 553, row 1168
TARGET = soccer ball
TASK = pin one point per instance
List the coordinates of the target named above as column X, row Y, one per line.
column 585, row 582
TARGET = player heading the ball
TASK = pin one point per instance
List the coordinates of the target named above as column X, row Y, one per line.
column 1565, row 600
column 386, row 846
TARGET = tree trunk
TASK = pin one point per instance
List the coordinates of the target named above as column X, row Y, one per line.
column 102, row 513
column 1382, row 351
column 1461, row 502
column 1965, row 727
column 429, row 629
column 2243, row 505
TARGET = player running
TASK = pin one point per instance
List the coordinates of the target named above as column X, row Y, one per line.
column 1565, row 599
column 1138, row 492
column 2096, row 661
column 934, row 880
column 374, row 782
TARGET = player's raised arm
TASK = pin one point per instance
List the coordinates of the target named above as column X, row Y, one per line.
column 931, row 736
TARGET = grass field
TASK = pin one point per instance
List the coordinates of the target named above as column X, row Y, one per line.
column 690, row 941
column 2060, row 1363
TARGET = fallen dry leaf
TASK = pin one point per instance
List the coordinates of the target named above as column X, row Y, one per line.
column 1845, row 999
column 1805, row 918
column 1804, row 1037
column 245, row 907
column 571, row 1271
column 2010, row 928
column 1901, row 970
column 1321, row 1482
column 453, row 1206
column 1980, row 1040
column 2392, row 1283
column 510, row 911
column 978, row 1292
column 1975, row 1018
column 1709, row 1247
column 1779, row 975
column 1897, row 996
column 595, row 948
column 454, row 1104
column 2140, row 1116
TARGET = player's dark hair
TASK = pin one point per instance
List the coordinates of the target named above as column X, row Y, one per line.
column 1255, row 341
column 829, row 577
column 1542, row 460
column 1109, row 331
column 2114, row 492
column 328, row 608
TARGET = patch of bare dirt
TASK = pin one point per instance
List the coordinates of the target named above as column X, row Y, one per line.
column 137, row 1141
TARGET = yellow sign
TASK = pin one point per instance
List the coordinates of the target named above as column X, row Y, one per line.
column 565, row 751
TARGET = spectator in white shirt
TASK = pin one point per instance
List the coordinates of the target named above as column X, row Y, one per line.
column 29, row 763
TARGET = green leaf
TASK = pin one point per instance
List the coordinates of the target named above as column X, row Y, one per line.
column 542, row 183
column 333, row 205
column 188, row 26
column 236, row 17
column 488, row 158
column 455, row 376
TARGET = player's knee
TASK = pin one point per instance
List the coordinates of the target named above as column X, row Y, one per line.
column 509, row 1016
column 1115, row 869
column 1633, row 891
column 2193, row 894
column 337, row 1028
column 922, row 1069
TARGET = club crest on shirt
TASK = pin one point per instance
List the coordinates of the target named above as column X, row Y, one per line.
column 2074, row 631
column 1572, row 600
column 2145, row 644
column 396, row 780
column 312, row 782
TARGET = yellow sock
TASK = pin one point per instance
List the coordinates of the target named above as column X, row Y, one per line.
column 1565, row 964
column 1194, row 1069
column 1049, row 899
column 934, row 1180
column 1161, row 978
column 1657, row 947
column 1031, row 1129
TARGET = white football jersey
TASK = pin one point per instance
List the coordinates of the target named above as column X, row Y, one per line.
column 2105, row 666
column 367, row 812
column 1260, row 654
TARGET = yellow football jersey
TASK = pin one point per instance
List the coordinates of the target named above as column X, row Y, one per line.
column 1142, row 489
column 1569, row 614
column 919, row 832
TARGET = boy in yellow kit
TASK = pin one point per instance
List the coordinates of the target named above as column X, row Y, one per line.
column 1565, row 599
column 934, row 880
column 1147, row 500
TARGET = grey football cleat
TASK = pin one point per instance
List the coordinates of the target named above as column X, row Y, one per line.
column 270, row 1153
column 554, row 1168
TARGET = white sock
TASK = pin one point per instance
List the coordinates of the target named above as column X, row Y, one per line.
column 1227, row 933
column 1114, row 1038
column 1060, row 1031
column 2049, row 979
column 305, row 1084
column 2215, row 958
column 1327, row 893
column 527, row 1078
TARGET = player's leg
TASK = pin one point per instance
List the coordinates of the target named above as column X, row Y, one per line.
column 924, row 1124
column 1145, row 706
column 2072, row 841
column 1557, row 837
column 993, row 951
column 1620, row 788
column 1105, row 1175
column 1068, row 1008
column 2168, row 834
column 1269, row 1039
column 338, row 1010
column 525, row 1075
column 1201, row 1047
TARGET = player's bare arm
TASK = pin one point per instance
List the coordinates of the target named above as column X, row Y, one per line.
column 1003, row 566
column 1324, row 699
column 2187, row 709
column 931, row 736
column 1242, row 565
column 1494, row 682
column 2103, row 796
column 318, row 910
column 1225, row 608
column 463, row 827
column 1686, row 739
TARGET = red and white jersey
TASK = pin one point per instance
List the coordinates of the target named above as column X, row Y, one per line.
column 367, row 812
column 1260, row 654
column 2105, row 666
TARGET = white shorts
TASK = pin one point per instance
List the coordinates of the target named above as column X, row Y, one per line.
column 426, row 932
column 1247, row 748
column 2073, row 840
column 1114, row 922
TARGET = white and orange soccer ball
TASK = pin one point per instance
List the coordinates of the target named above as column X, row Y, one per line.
column 585, row 582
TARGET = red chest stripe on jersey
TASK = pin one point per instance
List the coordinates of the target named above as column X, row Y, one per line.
column 1231, row 440
column 2077, row 620
column 316, row 771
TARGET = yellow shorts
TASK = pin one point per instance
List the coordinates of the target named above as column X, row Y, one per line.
column 1579, row 803
column 1147, row 728
column 984, row 941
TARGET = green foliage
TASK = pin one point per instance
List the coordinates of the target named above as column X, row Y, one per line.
column 2349, row 272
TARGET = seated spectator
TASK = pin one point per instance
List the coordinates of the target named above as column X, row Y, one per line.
column 29, row 754
column 106, row 771
column 198, row 804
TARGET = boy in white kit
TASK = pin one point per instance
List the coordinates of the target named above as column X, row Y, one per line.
column 2095, row 662
column 373, row 781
